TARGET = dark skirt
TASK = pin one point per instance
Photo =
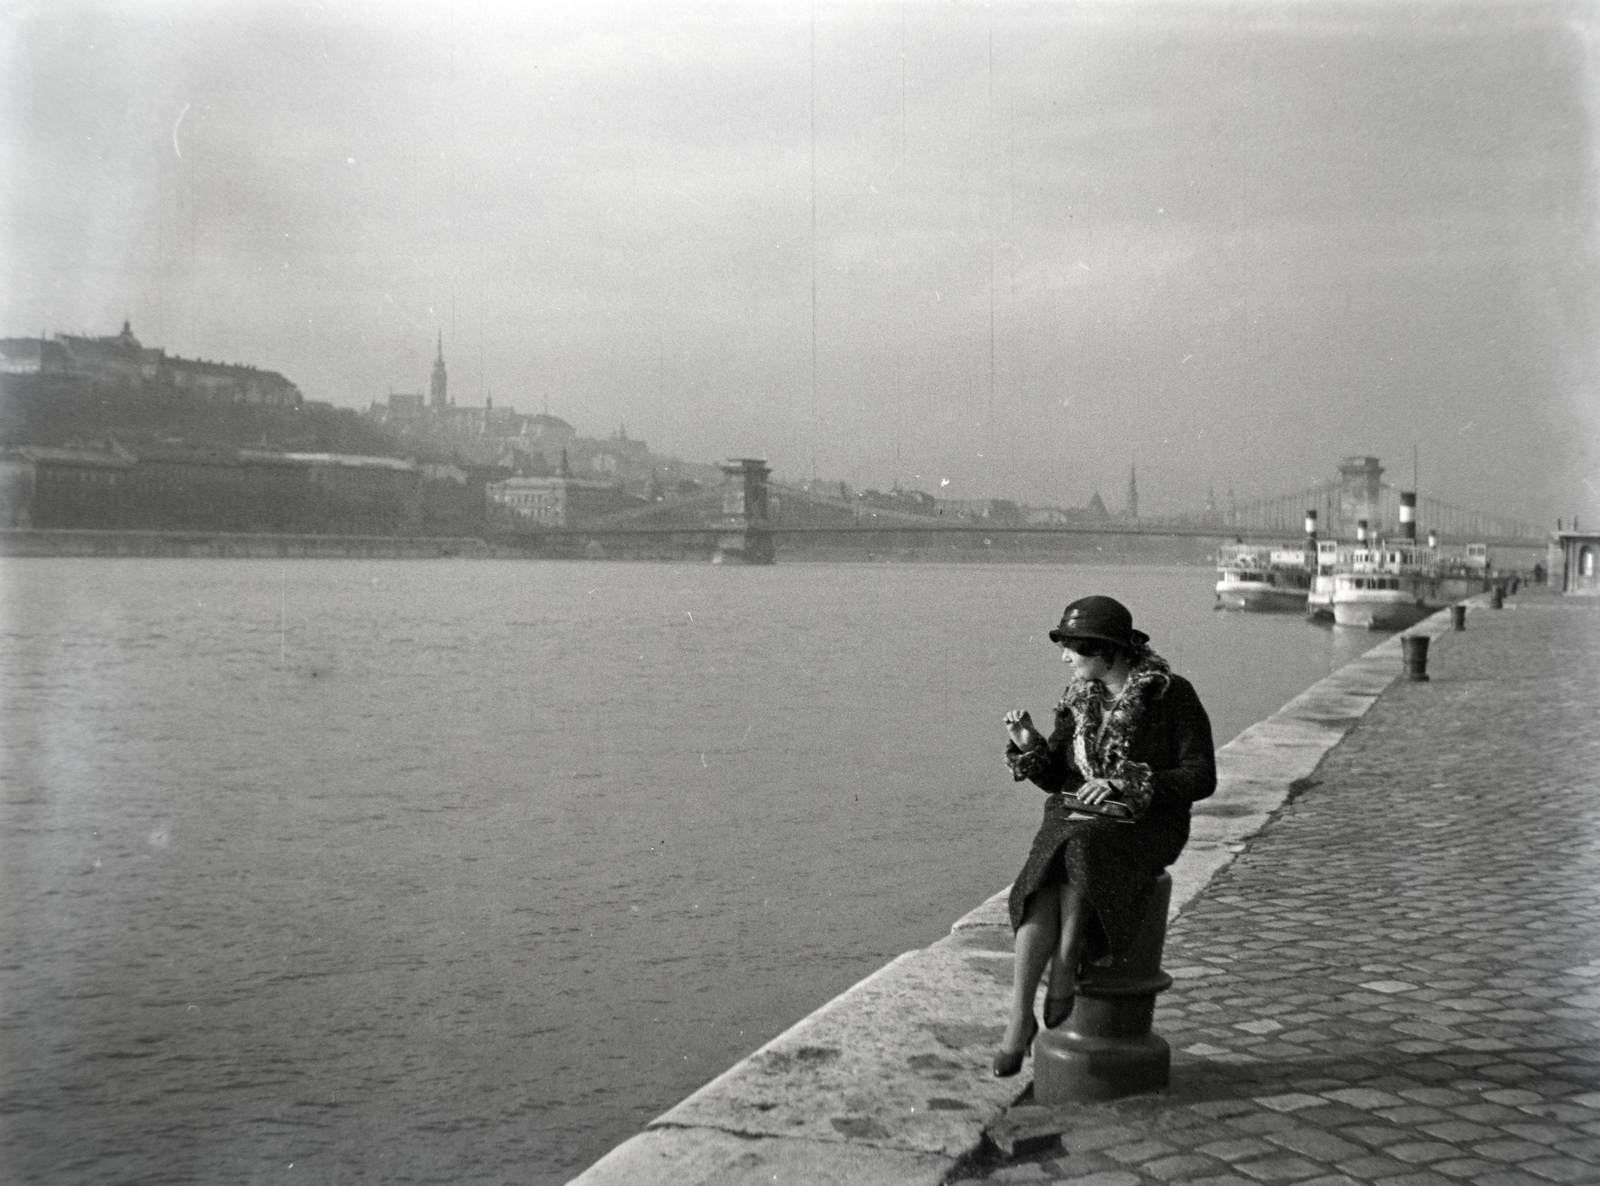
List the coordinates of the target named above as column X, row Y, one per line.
column 1116, row 863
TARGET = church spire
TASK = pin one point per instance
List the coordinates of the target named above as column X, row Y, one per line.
column 439, row 383
column 1133, row 492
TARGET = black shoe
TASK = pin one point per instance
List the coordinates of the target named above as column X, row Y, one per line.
column 1009, row 1062
column 1057, row 1009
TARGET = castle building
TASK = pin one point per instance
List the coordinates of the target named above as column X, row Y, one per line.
column 32, row 356
column 123, row 362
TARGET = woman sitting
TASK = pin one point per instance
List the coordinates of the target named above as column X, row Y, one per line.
column 1130, row 751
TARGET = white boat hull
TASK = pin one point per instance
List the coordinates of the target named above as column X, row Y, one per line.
column 1267, row 598
column 1374, row 611
column 1319, row 601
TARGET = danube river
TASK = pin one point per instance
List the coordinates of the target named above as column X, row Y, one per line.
column 460, row 871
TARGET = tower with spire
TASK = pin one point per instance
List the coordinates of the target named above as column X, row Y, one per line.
column 1133, row 492
column 439, row 384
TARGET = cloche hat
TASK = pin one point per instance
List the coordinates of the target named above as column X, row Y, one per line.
column 1104, row 618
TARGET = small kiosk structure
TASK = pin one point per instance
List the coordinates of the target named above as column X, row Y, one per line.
column 1574, row 562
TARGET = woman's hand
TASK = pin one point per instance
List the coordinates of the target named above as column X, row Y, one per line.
column 1019, row 725
column 1098, row 790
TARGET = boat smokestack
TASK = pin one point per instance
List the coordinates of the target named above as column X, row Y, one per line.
column 1361, row 531
column 1408, row 514
column 1311, row 524
column 1433, row 539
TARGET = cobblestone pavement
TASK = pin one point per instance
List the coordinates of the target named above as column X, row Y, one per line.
column 1398, row 981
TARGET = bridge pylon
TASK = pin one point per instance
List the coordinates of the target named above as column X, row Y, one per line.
column 746, row 535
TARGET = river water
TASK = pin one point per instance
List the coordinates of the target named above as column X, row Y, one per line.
column 460, row 871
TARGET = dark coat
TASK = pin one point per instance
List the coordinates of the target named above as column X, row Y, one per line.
column 1117, row 862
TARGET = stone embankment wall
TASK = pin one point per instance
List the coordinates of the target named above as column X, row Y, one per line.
column 73, row 542
column 890, row 1082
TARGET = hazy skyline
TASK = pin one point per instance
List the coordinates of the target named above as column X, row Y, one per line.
column 1016, row 246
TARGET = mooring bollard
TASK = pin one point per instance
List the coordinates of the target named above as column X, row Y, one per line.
column 1414, row 649
column 1105, row 1049
column 1497, row 597
column 1458, row 617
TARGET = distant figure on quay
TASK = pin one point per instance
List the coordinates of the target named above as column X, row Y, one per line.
column 1131, row 751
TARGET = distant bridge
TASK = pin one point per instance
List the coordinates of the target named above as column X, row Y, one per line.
column 808, row 514
column 1284, row 515
column 868, row 526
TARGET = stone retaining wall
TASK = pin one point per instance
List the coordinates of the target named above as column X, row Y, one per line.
column 43, row 541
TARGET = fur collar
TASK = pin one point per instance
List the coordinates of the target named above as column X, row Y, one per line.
column 1102, row 727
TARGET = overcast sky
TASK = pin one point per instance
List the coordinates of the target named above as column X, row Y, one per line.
column 1015, row 247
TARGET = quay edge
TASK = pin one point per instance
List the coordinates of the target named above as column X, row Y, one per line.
column 889, row 1082
column 95, row 542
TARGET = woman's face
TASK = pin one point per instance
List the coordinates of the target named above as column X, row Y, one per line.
column 1084, row 667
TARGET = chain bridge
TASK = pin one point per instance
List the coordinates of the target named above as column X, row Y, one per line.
column 749, row 516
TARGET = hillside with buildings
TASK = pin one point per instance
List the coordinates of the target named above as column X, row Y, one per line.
column 530, row 445
column 108, row 433
column 73, row 390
